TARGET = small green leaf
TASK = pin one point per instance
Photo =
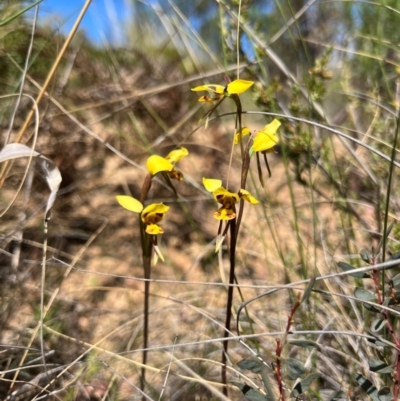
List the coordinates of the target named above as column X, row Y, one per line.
column 254, row 395
column 250, row 393
column 364, row 295
column 304, row 343
column 367, row 386
column 250, row 364
column 379, row 366
column 303, row 386
column 308, row 290
column 378, row 343
column 346, row 267
column 265, row 371
column 396, row 280
column 371, row 308
column 295, row 369
column 377, row 325
column 385, row 394
column 365, row 256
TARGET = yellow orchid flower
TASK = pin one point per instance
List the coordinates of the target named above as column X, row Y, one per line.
column 266, row 138
column 156, row 164
column 150, row 215
column 233, row 88
column 226, row 198
column 153, row 214
column 264, row 143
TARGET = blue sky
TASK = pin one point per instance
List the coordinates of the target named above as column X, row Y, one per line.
column 105, row 19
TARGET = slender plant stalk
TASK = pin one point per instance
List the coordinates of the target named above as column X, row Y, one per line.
column 146, row 260
column 232, row 260
column 234, row 226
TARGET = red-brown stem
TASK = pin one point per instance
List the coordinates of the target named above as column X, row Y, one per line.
column 391, row 331
column 147, row 274
column 146, row 260
column 292, row 312
column 396, row 380
column 145, row 188
column 277, row 370
column 232, row 258
column 234, row 228
column 384, row 312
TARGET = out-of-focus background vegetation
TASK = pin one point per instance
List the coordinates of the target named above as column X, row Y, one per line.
column 122, row 93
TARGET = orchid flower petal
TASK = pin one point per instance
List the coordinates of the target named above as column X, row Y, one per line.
column 153, row 214
column 155, row 208
column 177, row 154
column 129, row 203
column 245, row 131
column 211, row 184
column 154, row 229
column 247, row 196
column 211, row 88
column 156, row 164
column 176, row 175
column 238, row 86
column 272, row 127
column 206, row 99
column 225, row 197
column 266, row 138
column 224, row 214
